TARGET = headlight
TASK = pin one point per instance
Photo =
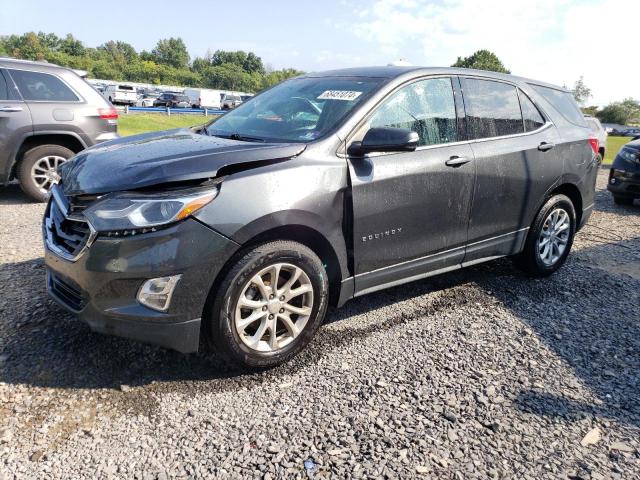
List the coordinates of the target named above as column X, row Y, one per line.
column 628, row 154
column 138, row 212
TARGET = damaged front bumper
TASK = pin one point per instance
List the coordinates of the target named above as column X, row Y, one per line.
column 102, row 284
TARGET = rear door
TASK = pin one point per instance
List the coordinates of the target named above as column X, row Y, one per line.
column 411, row 209
column 516, row 163
column 15, row 124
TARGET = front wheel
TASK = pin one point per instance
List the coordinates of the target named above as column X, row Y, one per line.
column 550, row 237
column 268, row 305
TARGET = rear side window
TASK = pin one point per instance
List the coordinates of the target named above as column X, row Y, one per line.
column 426, row 107
column 533, row 120
column 493, row 109
column 42, row 87
column 564, row 103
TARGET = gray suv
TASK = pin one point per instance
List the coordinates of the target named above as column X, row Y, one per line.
column 47, row 115
column 325, row 187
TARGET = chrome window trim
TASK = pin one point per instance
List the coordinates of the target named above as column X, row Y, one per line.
column 548, row 122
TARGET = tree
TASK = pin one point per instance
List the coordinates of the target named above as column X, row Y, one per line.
column 71, row 46
column 120, row 52
column 482, row 60
column 590, row 110
column 620, row 112
column 249, row 62
column 168, row 63
column 171, row 51
column 580, row 91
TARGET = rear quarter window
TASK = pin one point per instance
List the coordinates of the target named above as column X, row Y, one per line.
column 44, row 87
column 563, row 103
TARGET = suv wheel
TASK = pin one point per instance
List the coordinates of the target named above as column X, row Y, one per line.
column 37, row 171
column 269, row 304
column 550, row 237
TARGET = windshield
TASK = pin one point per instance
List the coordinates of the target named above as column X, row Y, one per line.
column 298, row 110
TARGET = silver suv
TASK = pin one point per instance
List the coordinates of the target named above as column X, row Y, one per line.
column 47, row 115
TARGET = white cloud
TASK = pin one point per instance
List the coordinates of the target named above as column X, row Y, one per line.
column 550, row 40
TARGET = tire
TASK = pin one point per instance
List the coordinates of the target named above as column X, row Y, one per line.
column 620, row 200
column 55, row 155
column 220, row 320
column 532, row 259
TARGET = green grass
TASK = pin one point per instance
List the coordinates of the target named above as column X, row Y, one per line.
column 134, row 123
column 614, row 144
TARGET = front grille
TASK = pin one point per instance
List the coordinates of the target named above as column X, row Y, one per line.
column 65, row 292
column 66, row 233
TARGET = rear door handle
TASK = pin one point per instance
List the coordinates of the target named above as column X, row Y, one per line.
column 545, row 147
column 456, row 161
column 10, row 109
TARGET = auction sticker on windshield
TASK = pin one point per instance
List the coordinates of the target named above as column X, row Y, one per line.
column 347, row 95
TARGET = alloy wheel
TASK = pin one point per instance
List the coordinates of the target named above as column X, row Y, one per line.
column 274, row 307
column 554, row 236
column 45, row 171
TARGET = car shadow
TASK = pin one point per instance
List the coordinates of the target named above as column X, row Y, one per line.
column 12, row 194
column 44, row 346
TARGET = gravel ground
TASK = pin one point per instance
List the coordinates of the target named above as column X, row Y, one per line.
column 482, row 373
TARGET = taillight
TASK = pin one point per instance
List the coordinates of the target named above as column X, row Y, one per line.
column 595, row 144
column 108, row 113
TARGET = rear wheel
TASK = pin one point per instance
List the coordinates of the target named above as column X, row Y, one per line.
column 269, row 304
column 620, row 200
column 37, row 171
column 550, row 237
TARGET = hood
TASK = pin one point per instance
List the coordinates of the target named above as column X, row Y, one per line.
column 162, row 157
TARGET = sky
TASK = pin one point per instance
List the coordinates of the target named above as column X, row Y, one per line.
column 551, row 40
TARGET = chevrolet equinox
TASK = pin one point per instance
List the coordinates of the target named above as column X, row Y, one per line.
column 323, row 188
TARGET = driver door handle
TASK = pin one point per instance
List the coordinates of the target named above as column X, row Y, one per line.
column 545, row 147
column 10, row 109
column 456, row 161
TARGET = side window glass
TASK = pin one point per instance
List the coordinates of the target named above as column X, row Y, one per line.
column 4, row 90
column 42, row 87
column 426, row 107
column 533, row 120
column 493, row 109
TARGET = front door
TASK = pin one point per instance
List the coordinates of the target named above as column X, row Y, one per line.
column 411, row 209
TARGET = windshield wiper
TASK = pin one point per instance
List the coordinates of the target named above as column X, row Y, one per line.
column 245, row 138
column 238, row 136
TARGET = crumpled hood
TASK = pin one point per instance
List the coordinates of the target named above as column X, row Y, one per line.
column 161, row 157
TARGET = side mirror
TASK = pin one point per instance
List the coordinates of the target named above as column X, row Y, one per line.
column 385, row 139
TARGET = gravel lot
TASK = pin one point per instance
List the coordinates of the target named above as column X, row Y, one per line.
column 482, row 373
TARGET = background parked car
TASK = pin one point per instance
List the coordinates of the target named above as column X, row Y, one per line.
column 600, row 133
column 147, row 99
column 121, row 94
column 172, row 100
column 230, row 101
column 624, row 175
column 631, row 132
column 47, row 115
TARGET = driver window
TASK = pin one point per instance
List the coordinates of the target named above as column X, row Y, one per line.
column 427, row 107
